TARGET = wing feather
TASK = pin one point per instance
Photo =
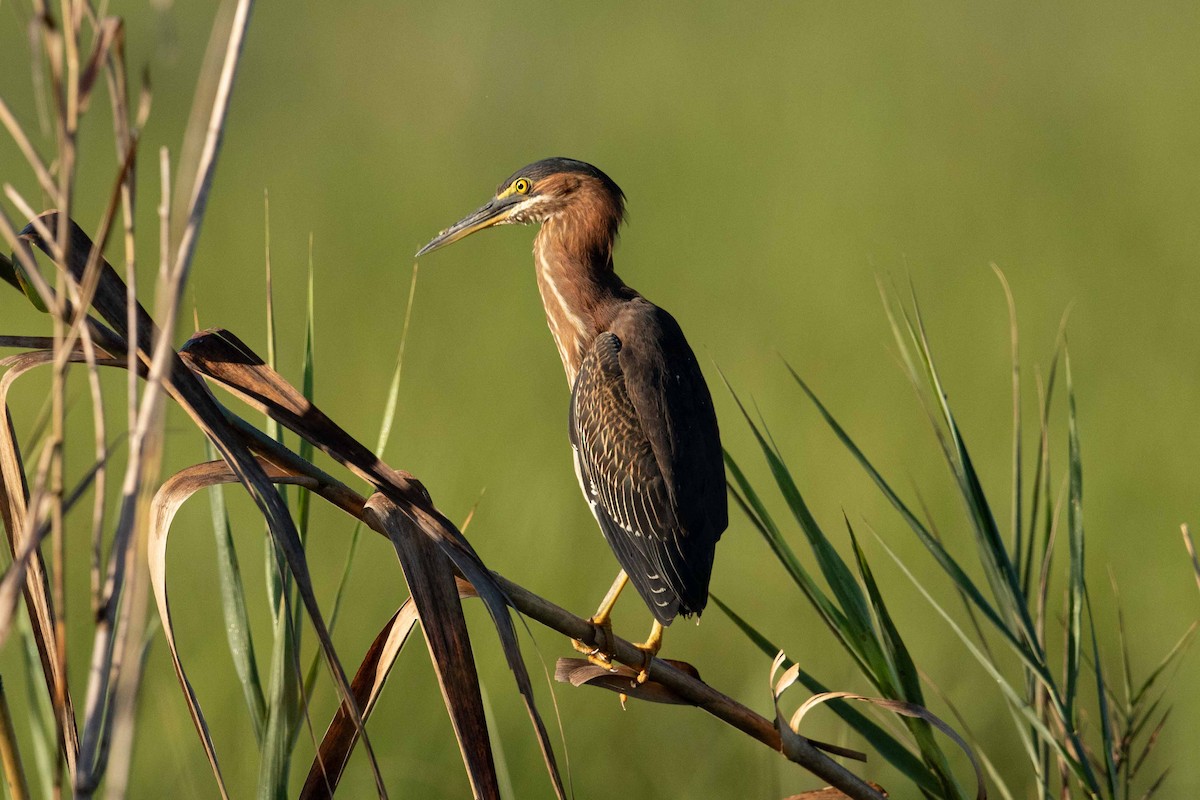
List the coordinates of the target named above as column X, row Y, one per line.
column 659, row 499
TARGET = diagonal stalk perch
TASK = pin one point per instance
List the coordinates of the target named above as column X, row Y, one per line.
column 222, row 357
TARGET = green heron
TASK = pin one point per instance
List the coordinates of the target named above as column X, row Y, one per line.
column 643, row 431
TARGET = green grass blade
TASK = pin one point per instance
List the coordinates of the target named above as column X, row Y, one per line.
column 276, row 752
column 931, row 543
column 233, row 606
column 1107, row 732
column 284, row 705
column 1076, row 588
column 1041, row 480
column 1014, row 341
column 904, row 679
column 385, row 432
column 891, row 749
column 41, row 715
column 308, row 389
column 1081, row 769
column 996, row 559
column 856, row 630
column 1172, row 655
column 832, row 616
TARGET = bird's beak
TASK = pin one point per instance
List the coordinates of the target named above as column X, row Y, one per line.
column 495, row 212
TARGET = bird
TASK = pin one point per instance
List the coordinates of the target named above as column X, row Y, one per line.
column 642, row 427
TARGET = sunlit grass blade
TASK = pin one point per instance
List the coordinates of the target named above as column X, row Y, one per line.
column 1014, row 697
column 851, row 622
column 1172, row 656
column 886, row 745
column 1076, row 582
column 904, row 683
column 233, row 606
column 830, row 614
column 385, row 432
column 1041, row 483
column 1190, row 544
column 931, row 543
column 282, row 691
column 303, row 496
column 1014, row 344
column 1107, row 732
column 308, row 380
column 998, row 566
column 283, row 709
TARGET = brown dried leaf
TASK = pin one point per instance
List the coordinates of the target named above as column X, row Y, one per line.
column 621, row 679
column 27, row 557
column 431, row 581
column 195, row 399
column 341, row 736
column 223, row 357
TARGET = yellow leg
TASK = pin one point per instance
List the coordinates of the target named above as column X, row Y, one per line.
column 606, row 605
column 650, row 647
column 601, row 619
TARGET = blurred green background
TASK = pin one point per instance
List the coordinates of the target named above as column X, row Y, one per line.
column 778, row 159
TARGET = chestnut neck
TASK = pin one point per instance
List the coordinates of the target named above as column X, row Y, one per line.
column 580, row 291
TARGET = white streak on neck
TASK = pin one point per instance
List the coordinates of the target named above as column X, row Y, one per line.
column 550, row 293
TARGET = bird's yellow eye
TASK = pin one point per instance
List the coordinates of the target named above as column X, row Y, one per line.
column 521, row 186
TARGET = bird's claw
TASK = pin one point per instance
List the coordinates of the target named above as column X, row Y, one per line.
column 647, row 657
column 599, row 655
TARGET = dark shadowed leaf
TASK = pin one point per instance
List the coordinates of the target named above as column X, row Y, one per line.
column 341, row 736
column 430, row 578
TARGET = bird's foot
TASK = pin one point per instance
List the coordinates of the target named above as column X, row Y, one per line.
column 599, row 654
column 649, row 651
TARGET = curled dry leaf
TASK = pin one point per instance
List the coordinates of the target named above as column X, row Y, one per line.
column 622, row 679
column 789, row 729
column 792, row 741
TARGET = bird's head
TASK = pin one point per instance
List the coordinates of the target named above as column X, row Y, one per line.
column 547, row 189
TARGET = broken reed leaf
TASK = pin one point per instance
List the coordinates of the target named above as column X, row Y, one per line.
column 430, row 578
column 622, row 680
column 340, row 737
column 195, row 399
column 221, row 356
column 36, row 586
column 790, row 741
column 233, row 438
column 881, row 740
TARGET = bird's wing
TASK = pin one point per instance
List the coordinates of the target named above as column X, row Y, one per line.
column 675, row 408
column 625, row 426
